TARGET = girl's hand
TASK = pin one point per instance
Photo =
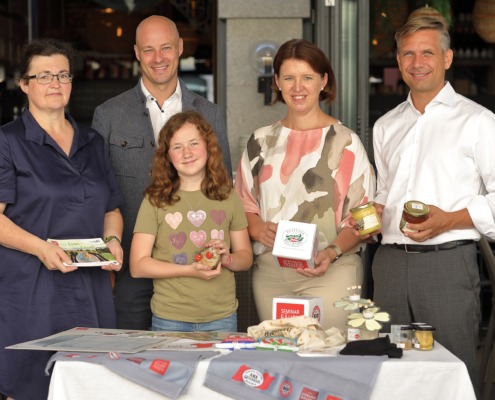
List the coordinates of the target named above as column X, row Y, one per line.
column 205, row 272
column 222, row 249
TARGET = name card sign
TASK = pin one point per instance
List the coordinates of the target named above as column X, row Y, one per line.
column 288, row 307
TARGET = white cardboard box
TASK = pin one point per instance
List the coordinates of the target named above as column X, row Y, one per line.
column 296, row 244
column 289, row 306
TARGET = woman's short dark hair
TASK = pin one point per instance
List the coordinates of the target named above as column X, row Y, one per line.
column 44, row 47
column 304, row 50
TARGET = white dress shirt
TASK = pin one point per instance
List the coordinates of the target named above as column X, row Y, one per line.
column 444, row 157
column 160, row 114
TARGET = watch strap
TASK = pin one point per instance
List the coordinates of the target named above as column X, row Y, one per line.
column 337, row 250
column 112, row 237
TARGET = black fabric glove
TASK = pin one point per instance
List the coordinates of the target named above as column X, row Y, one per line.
column 375, row 347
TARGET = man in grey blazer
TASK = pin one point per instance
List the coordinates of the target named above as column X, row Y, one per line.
column 130, row 124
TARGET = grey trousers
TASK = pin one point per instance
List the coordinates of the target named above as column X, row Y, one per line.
column 440, row 288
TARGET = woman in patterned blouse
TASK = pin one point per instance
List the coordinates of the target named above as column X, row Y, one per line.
column 307, row 167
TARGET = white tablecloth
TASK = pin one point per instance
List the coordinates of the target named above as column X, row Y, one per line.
column 424, row 375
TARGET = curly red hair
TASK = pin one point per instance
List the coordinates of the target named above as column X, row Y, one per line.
column 165, row 181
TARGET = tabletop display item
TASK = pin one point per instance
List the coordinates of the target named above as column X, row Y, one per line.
column 277, row 343
column 364, row 318
column 424, row 337
column 234, row 342
column 353, row 301
column 86, row 252
column 296, row 244
column 294, row 306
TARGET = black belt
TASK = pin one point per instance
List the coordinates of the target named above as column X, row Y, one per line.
column 425, row 248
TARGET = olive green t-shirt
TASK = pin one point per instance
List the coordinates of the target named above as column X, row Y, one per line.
column 180, row 231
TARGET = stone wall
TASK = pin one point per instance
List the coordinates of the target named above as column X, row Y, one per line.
column 247, row 23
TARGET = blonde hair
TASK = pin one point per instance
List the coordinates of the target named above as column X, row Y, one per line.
column 423, row 22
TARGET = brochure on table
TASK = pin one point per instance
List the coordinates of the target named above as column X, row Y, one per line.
column 91, row 252
column 97, row 340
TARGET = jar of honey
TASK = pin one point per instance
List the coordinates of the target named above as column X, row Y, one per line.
column 405, row 337
column 414, row 212
column 424, row 337
column 366, row 218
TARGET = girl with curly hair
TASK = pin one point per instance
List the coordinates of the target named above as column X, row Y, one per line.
column 191, row 232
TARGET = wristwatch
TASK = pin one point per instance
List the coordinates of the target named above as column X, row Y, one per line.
column 337, row 250
column 109, row 238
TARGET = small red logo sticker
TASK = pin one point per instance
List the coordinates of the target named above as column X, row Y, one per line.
column 203, row 345
column 160, row 366
column 136, row 360
column 308, row 394
column 316, row 313
column 253, row 378
column 285, row 389
column 113, row 355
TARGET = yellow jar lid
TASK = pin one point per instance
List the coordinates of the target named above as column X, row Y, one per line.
column 362, row 206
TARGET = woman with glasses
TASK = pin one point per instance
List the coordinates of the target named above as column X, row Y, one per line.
column 56, row 182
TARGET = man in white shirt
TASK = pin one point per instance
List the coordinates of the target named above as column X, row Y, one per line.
column 130, row 124
column 436, row 147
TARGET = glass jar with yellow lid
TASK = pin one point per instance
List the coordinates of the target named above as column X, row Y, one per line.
column 366, row 218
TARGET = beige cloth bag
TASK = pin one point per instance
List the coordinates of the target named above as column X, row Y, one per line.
column 306, row 330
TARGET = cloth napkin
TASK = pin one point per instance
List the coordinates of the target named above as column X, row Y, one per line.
column 263, row 375
column 374, row 347
column 165, row 372
column 306, row 330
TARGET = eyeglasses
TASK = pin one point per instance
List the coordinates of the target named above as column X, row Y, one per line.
column 47, row 78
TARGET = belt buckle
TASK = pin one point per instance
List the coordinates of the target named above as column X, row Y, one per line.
column 410, row 251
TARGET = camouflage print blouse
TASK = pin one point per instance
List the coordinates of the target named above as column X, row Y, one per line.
column 313, row 176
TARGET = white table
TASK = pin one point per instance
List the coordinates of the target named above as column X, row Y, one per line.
column 424, row 375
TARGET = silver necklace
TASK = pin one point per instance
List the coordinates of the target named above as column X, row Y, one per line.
column 189, row 204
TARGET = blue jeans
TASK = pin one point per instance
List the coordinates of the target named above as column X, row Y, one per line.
column 228, row 324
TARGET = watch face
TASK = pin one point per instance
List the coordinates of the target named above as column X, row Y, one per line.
column 337, row 250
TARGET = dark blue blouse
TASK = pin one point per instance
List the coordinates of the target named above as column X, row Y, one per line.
column 51, row 195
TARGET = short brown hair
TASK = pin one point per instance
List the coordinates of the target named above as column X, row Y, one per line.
column 304, row 50
column 44, row 47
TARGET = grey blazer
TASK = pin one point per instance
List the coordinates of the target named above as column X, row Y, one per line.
column 125, row 124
